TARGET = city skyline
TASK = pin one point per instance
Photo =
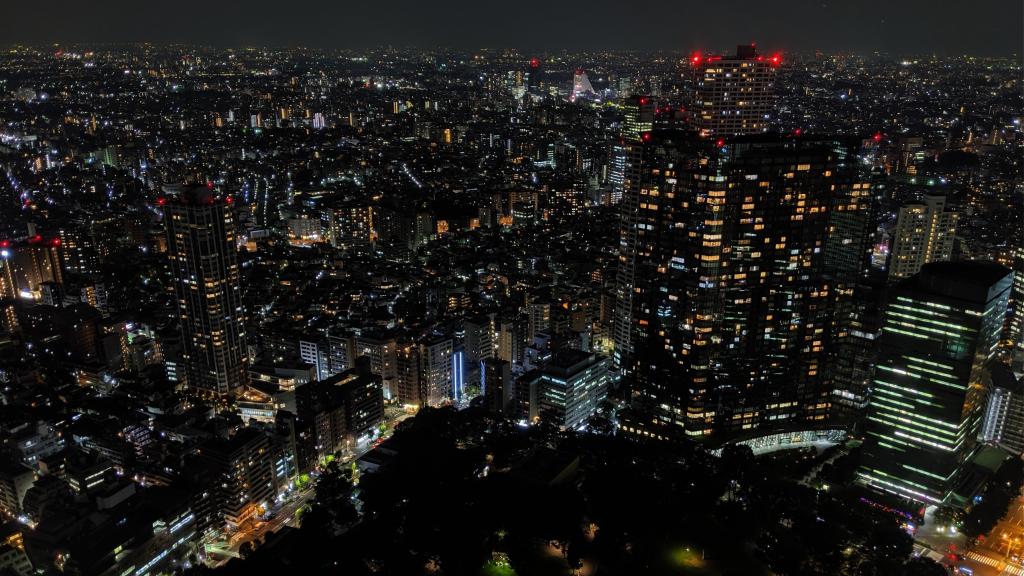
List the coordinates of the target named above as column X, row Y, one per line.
column 988, row 28
column 748, row 304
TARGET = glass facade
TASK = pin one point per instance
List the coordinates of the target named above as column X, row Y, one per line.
column 940, row 329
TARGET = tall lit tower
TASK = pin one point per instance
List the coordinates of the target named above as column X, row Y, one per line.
column 733, row 264
column 627, row 164
column 940, row 330
column 734, row 94
column 201, row 246
column 924, row 233
column 638, row 119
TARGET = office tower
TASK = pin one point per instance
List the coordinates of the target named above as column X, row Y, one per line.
column 734, row 94
column 201, row 240
column 738, row 256
column 572, row 386
column 638, row 119
column 243, row 472
column 851, row 363
column 1004, row 411
column 925, row 232
column 940, row 331
column 350, row 225
column 498, row 388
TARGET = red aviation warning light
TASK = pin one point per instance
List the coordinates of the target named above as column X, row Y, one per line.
column 643, row 100
column 534, row 63
column 720, row 142
column 696, row 58
column 877, row 137
column 776, row 59
column 55, row 242
column 646, row 136
column 229, row 200
column 161, row 201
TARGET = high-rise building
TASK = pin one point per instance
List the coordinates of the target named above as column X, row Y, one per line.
column 633, row 244
column 477, row 339
column 499, row 388
column 350, row 225
column 736, row 258
column 1015, row 319
column 201, row 245
column 78, row 252
column 437, row 370
column 638, row 119
column 25, row 266
column 336, row 412
column 940, row 331
column 1004, row 411
column 734, row 94
column 572, row 386
column 925, row 232
column 243, row 472
column 426, row 371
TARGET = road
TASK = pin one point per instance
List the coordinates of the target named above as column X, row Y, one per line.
column 285, row 515
column 998, row 554
column 1002, row 550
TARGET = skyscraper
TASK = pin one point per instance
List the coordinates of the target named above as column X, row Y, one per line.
column 207, row 283
column 924, row 233
column 740, row 254
column 628, row 154
column 734, row 94
column 940, row 330
column 638, row 119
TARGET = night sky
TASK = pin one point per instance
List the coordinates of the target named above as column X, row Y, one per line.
column 945, row 27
